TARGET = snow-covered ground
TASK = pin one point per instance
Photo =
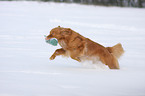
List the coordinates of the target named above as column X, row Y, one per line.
column 25, row 68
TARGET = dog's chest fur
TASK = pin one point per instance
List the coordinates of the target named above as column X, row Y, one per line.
column 63, row 44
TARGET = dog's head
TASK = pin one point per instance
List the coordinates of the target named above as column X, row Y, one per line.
column 59, row 32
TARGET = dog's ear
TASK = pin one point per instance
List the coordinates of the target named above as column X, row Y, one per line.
column 66, row 32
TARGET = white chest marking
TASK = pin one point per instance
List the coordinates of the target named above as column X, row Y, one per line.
column 62, row 44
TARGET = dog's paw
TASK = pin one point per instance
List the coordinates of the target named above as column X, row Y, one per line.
column 52, row 57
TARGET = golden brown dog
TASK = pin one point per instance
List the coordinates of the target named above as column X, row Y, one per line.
column 80, row 48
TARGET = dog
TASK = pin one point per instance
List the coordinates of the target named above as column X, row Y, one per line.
column 81, row 48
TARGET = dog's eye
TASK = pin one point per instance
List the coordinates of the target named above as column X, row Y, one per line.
column 52, row 33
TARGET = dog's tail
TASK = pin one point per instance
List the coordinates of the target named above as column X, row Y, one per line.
column 117, row 50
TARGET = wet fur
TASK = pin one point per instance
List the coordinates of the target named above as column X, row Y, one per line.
column 80, row 48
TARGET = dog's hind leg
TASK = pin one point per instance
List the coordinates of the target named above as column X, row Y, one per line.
column 57, row 53
column 111, row 61
column 113, row 64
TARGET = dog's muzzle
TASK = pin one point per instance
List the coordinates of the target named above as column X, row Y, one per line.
column 49, row 37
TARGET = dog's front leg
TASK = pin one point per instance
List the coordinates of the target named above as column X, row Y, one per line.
column 76, row 58
column 57, row 52
column 74, row 55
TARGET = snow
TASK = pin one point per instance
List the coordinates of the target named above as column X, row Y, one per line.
column 25, row 68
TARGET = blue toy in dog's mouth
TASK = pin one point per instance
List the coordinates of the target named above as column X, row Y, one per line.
column 52, row 41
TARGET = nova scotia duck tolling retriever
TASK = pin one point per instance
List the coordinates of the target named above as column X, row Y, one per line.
column 81, row 48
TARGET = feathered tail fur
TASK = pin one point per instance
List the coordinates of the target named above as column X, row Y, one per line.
column 117, row 50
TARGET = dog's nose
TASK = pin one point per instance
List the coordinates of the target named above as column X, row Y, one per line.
column 46, row 38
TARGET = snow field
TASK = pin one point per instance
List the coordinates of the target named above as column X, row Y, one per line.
column 25, row 68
